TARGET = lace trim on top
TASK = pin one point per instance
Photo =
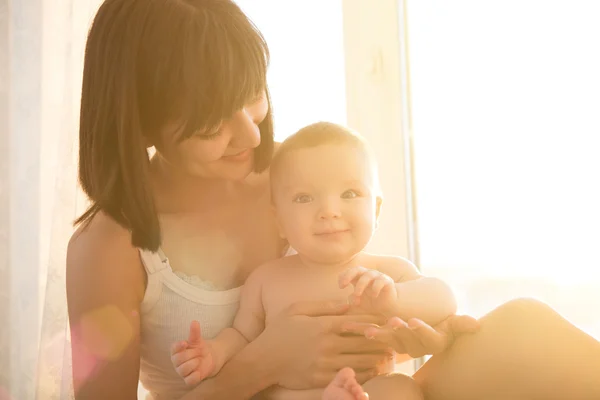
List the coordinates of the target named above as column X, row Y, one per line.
column 198, row 282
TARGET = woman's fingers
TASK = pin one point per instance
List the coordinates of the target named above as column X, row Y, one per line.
column 355, row 344
column 436, row 340
column 409, row 341
column 354, row 323
column 318, row 308
column 357, row 327
column 396, row 334
column 415, row 338
column 432, row 341
column 378, row 337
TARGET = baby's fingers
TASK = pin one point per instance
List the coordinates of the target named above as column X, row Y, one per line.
column 178, row 347
column 381, row 283
column 194, row 378
column 184, row 356
column 364, row 282
column 189, row 367
column 350, row 275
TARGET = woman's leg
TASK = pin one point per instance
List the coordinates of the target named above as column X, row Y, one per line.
column 523, row 351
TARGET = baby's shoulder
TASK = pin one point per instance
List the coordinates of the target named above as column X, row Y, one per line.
column 373, row 261
column 394, row 266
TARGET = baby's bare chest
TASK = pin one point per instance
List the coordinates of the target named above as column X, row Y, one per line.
column 286, row 289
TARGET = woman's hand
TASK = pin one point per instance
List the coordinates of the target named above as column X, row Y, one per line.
column 416, row 338
column 307, row 345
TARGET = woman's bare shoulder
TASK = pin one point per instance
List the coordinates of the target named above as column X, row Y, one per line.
column 105, row 288
column 100, row 254
column 102, row 236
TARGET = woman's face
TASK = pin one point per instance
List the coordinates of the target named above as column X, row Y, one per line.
column 225, row 153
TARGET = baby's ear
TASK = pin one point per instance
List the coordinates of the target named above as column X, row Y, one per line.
column 378, row 202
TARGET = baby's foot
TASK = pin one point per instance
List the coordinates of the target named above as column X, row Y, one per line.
column 344, row 387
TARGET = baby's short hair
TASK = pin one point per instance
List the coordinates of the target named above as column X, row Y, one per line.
column 317, row 134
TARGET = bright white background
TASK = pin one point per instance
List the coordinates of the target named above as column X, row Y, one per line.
column 506, row 98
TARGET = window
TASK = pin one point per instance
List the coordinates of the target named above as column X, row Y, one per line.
column 505, row 100
column 306, row 74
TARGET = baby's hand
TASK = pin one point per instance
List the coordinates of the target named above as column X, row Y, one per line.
column 193, row 359
column 372, row 290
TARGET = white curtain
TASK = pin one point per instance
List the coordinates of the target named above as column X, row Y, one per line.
column 66, row 31
column 41, row 64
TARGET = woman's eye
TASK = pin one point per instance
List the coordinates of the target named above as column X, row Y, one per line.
column 302, row 198
column 349, row 194
column 210, row 134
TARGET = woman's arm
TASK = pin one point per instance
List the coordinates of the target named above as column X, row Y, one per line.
column 105, row 286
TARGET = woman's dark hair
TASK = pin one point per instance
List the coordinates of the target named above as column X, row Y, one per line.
column 150, row 62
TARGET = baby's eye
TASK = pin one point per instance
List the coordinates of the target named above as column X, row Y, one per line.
column 303, row 198
column 349, row 194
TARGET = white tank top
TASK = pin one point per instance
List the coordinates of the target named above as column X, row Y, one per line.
column 169, row 305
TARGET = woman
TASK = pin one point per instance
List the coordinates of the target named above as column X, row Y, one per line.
column 188, row 78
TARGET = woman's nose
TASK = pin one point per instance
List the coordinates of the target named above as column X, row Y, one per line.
column 246, row 134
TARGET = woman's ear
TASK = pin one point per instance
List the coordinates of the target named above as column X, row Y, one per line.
column 378, row 202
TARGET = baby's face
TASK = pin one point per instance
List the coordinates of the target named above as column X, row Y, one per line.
column 325, row 201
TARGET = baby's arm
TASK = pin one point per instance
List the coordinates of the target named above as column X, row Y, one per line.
column 426, row 298
column 409, row 294
column 198, row 358
column 250, row 318
column 429, row 299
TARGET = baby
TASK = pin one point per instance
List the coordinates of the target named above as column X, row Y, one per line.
column 325, row 195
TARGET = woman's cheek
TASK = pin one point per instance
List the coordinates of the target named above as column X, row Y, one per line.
column 204, row 150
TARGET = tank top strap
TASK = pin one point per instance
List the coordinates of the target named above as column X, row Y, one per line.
column 154, row 261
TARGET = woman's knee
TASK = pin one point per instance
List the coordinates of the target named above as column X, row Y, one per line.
column 392, row 387
column 522, row 311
